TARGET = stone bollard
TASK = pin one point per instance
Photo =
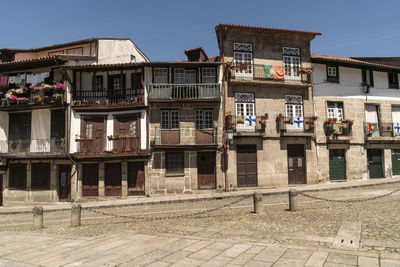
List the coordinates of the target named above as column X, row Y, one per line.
column 37, row 217
column 292, row 199
column 75, row 214
column 257, row 201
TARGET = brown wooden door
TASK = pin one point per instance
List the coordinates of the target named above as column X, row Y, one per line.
column 136, row 178
column 94, row 129
column 64, row 182
column 296, row 164
column 90, row 180
column 126, row 127
column 246, row 165
column 112, row 173
column 1, row 189
column 206, row 170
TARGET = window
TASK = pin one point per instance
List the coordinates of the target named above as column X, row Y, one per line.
column 367, row 77
column 182, row 76
column 294, row 111
column 244, row 104
column 203, row 119
column 56, row 53
column 160, row 75
column 136, row 81
column 57, row 123
column 98, row 83
column 116, row 82
column 332, row 74
column 17, row 175
column 75, row 51
column 169, row 119
column 133, row 59
column 335, row 110
column 243, row 55
column 174, row 162
column 40, row 175
column 208, row 75
column 89, row 129
column 292, row 63
column 393, row 80
column 20, row 126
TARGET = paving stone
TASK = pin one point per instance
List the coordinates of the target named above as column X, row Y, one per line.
column 9, row 263
column 270, row 254
column 317, row 259
column 185, row 262
column 220, row 245
column 368, row 262
column 217, row 261
column 342, row 258
column 159, row 264
column 286, row 262
column 255, row 263
column 390, row 263
column 180, row 244
column 333, row 264
column 299, row 254
column 205, row 254
column 242, row 259
column 235, row 250
column 176, row 256
column 255, row 250
column 198, row 245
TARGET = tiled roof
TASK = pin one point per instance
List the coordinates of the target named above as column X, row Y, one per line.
column 39, row 59
column 351, row 61
column 262, row 29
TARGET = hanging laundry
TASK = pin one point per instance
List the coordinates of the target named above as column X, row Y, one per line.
column 268, row 72
column 19, row 79
column 30, row 78
column 3, row 80
column 11, row 79
column 279, row 72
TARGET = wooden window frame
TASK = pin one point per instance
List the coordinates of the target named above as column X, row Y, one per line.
column 130, row 117
column 201, row 122
column 367, row 77
column 154, row 75
column 395, row 83
column 175, row 163
column 171, row 123
column 28, row 126
column 75, row 48
column 203, row 70
column 96, row 83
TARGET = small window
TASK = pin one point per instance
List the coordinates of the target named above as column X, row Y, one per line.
column 208, row 75
column 59, row 52
column 160, row 75
column 335, row 110
column 367, row 77
column 99, row 83
column 89, row 130
column 75, row 51
column 174, row 162
column 133, row 59
column 169, row 119
column 40, row 175
column 332, row 73
column 393, row 80
column 116, row 82
column 204, row 119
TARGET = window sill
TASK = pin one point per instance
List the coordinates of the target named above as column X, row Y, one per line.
column 174, row 174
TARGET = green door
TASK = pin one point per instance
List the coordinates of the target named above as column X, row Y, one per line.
column 337, row 164
column 396, row 161
column 375, row 163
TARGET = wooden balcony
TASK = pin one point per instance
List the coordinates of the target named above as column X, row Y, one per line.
column 382, row 132
column 184, row 92
column 103, row 99
column 185, row 137
column 113, row 147
column 296, row 127
column 32, row 147
column 259, row 72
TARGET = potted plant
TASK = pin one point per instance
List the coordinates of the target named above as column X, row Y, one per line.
column 289, row 120
column 331, row 120
column 58, row 97
column 240, row 120
column 22, row 100
column 279, row 117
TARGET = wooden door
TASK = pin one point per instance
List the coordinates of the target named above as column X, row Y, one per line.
column 93, row 129
column 112, row 173
column 296, row 164
column 396, row 161
column 64, row 182
column 206, row 170
column 246, row 165
column 136, row 178
column 337, row 164
column 90, row 180
column 1, row 189
column 127, row 127
column 375, row 163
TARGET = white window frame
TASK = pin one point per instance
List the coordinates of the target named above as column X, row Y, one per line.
column 243, row 55
column 294, row 109
column 335, row 112
column 245, row 107
column 332, row 71
column 208, row 75
column 292, row 66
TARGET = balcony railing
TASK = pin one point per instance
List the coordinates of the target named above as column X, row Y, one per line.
column 185, row 136
column 246, row 124
column 340, row 128
column 184, row 91
column 266, row 72
column 382, row 129
column 54, row 146
column 113, row 144
column 104, row 98
column 299, row 125
column 23, row 97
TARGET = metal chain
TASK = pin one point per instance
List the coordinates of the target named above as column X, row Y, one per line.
column 347, row 200
column 145, row 218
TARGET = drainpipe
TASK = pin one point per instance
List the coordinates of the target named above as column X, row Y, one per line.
column 224, row 111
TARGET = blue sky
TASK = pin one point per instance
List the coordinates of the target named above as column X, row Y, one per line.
column 164, row 28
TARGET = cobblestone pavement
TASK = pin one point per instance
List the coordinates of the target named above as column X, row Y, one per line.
column 321, row 228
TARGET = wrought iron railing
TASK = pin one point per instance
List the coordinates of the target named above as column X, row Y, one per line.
column 116, row 97
column 382, row 129
column 296, row 125
column 266, row 72
column 32, row 146
column 338, row 128
column 184, row 91
column 246, row 123
column 185, row 136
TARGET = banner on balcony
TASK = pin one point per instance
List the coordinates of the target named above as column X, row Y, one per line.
column 268, row 72
column 372, row 127
column 274, row 72
column 3, row 80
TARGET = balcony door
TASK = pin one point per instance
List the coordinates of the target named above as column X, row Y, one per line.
column 243, row 60
column 371, row 119
column 93, row 130
column 126, row 132
column 292, row 63
column 245, row 112
column 116, row 87
column 294, row 112
column 19, row 132
column 396, row 120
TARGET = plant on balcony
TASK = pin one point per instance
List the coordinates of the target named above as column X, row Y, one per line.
column 21, row 91
column 4, row 101
column 43, row 87
column 58, row 97
column 22, row 100
column 279, row 117
column 332, row 120
column 289, row 121
column 240, row 120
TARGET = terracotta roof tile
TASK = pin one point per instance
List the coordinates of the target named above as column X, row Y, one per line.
column 262, row 29
column 352, row 61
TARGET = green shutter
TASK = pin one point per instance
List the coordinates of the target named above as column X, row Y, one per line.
column 396, row 162
column 375, row 163
column 337, row 164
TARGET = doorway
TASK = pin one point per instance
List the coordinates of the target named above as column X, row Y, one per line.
column 246, row 165
column 206, row 170
column 64, row 182
column 296, row 164
column 112, row 181
column 90, row 180
column 375, row 163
